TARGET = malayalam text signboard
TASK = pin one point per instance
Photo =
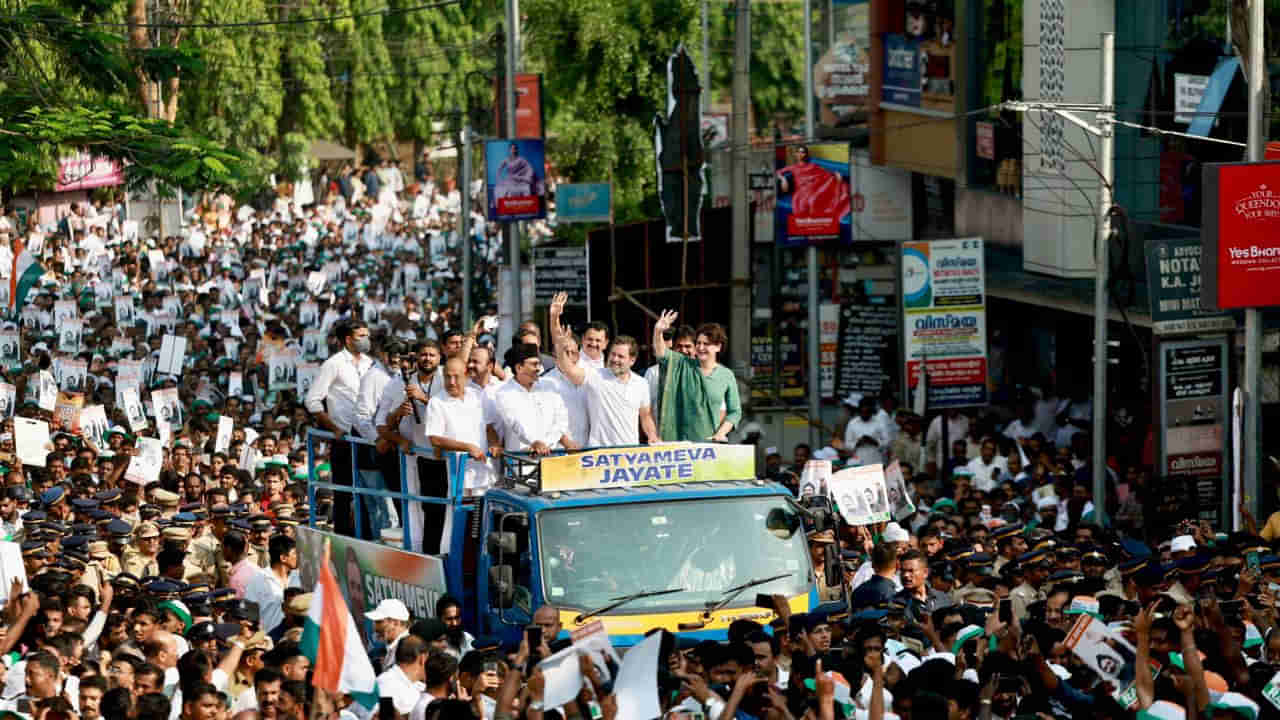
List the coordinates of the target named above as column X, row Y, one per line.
column 516, row 178
column 562, row 269
column 945, row 323
column 1240, row 207
column 1173, row 282
column 1193, row 418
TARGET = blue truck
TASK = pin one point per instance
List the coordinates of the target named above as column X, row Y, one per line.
column 679, row 536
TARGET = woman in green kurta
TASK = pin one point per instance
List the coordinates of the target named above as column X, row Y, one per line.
column 699, row 396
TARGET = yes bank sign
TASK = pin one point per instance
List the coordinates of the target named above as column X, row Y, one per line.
column 1241, row 235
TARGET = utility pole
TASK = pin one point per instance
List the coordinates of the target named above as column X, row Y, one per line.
column 1252, row 430
column 740, row 290
column 465, row 209
column 706, row 61
column 1106, row 152
column 815, row 319
column 510, row 232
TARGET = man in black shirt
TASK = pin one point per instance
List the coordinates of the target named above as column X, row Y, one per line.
column 880, row 588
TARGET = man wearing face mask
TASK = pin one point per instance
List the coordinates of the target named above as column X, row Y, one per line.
column 332, row 404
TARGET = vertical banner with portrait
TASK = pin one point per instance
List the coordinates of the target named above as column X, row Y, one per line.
column 69, row 332
column 8, row 400
column 167, row 406
column 93, row 423
column 309, row 312
column 75, row 374
column 10, row 349
column 814, row 477
column 515, row 175
column 144, row 467
column 860, row 494
column 222, row 441
column 813, row 201
column 313, row 344
column 306, row 373
column 282, row 369
column 131, row 402
column 64, row 310
column 895, row 485
column 1105, row 652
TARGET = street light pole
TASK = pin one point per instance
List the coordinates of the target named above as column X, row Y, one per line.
column 811, row 253
column 1106, row 152
column 1249, row 446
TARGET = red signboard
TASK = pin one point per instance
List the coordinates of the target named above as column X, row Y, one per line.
column 953, row 371
column 528, row 106
column 1241, row 216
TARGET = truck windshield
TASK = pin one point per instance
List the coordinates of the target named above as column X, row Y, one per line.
column 592, row 554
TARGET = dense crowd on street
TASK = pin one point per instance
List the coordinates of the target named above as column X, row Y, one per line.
column 155, row 564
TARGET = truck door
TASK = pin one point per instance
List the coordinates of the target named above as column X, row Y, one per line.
column 510, row 577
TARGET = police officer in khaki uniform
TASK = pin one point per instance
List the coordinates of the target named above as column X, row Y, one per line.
column 1010, row 543
column 206, row 549
column 139, row 558
column 260, row 526
column 1035, row 570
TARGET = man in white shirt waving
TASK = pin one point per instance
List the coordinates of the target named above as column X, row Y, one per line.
column 527, row 414
column 617, row 399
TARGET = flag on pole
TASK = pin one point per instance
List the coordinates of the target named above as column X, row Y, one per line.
column 338, row 657
column 23, row 276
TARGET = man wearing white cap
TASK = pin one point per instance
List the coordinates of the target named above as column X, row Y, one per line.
column 391, row 623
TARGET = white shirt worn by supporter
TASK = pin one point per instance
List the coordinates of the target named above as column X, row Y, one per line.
column 575, row 404
column 1018, row 430
column 525, row 416
column 982, row 472
column 389, row 658
column 864, row 573
column 265, row 590
column 587, row 361
column 653, row 376
column 858, row 428
column 393, row 396
column 337, row 385
column 614, row 405
column 403, row 692
column 371, row 387
column 957, row 428
column 463, row 419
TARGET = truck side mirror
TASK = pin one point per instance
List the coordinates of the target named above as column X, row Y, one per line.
column 832, row 567
column 502, row 585
column 502, row 543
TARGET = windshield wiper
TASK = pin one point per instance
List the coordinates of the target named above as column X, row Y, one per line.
column 736, row 590
column 620, row 601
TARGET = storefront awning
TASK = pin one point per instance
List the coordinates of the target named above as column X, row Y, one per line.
column 1214, row 94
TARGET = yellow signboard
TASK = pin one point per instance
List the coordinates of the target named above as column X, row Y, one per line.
column 648, row 465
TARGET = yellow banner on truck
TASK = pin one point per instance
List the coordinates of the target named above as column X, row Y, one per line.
column 666, row 464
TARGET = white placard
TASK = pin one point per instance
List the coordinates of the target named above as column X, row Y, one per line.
column 308, row 313
column 172, row 305
column 47, row 395
column 126, row 315
column 814, row 477
column 159, row 266
column 313, row 344
column 64, row 310
column 8, row 399
column 860, row 495
column 69, row 333
column 235, row 384
column 282, row 369
column 173, row 349
column 131, row 402
column 144, row 468
column 74, row 375
column 94, row 426
column 31, row 440
column 10, row 349
column 636, row 688
column 222, row 442
column 895, row 485
column 248, row 454
column 307, row 373
column 167, row 406
column 315, row 282
column 11, row 568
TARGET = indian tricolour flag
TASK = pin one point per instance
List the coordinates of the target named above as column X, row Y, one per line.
column 332, row 644
column 23, row 276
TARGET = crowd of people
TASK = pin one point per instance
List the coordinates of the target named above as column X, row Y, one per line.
column 158, row 570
